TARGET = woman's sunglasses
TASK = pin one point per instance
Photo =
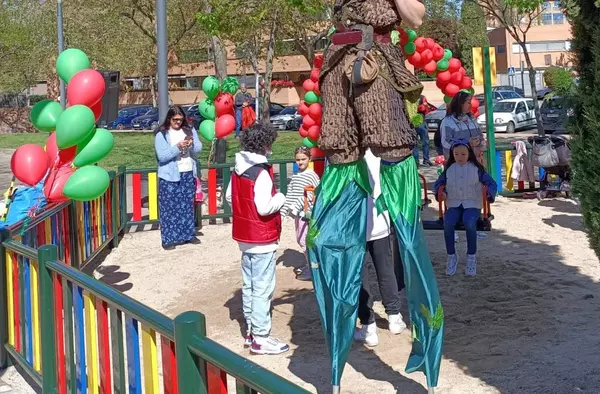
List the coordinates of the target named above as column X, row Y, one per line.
column 177, row 119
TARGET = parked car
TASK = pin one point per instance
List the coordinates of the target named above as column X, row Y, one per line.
column 275, row 109
column 509, row 88
column 543, row 93
column 126, row 115
column 193, row 115
column 287, row 119
column 498, row 95
column 512, row 114
column 555, row 113
column 433, row 119
column 148, row 121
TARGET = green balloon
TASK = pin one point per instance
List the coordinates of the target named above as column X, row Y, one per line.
column 45, row 114
column 442, row 65
column 74, row 126
column 412, row 35
column 447, row 99
column 447, row 54
column 87, row 183
column 70, row 62
column 309, row 143
column 410, row 48
column 207, row 129
column 311, row 97
column 207, row 109
column 97, row 148
column 210, row 87
column 230, row 85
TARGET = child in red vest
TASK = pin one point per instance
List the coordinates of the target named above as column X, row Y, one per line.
column 256, row 228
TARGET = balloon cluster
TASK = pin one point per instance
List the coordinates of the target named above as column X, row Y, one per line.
column 311, row 108
column 217, row 108
column 426, row 54
column 74, row 145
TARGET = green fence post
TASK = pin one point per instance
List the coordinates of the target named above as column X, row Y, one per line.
column 283, row 181
column 73, row 234
column 4, row 235
column 489, row 114
column 113, row 211
column 123, row 199
column 226, row 206
column 47, row 254
column 191, row 371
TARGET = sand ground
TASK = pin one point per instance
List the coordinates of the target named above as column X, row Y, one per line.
column 528, row 323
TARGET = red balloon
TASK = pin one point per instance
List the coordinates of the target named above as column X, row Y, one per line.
column 86, row 88
column 55, row 183
column 426, row 56
column 308, row 85
column 451, row 89
column 314, row 75
column 316, row 89
column 466, row 83
column 476, row 114
column 29, row 164
column 438, row 52
column 303, row 109
column 420, row 44
column 314, row 132
column 308, row 122
column 315, row 111
column 318, row 61
column 444, row 76
column 441, row 85
column 303, row 132
column 454, row 65
column 474, row 103
column 403, row 37
column 64, row 156
column 430, row 67
column 462, row 70
column 97, row 110
column 415, row 59
column 223, row 104
column 430, row 43
column 456, row 78
column 224, row 125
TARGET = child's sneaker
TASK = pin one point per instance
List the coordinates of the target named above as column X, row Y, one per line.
column 452, row 264
column 471, row 268
column 395, row 323
column 367, row 334
column 248, row 339
column 481, row 235
column 455, row 237
column 268, row 345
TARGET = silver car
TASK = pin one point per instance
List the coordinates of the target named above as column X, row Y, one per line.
column 433, row 119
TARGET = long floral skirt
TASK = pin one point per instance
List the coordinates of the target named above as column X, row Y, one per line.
column 176, row 209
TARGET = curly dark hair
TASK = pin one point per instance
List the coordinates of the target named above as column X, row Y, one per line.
column 258, row 138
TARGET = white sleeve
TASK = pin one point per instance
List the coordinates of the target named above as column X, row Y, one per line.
column 228, row 193
column 266, row 204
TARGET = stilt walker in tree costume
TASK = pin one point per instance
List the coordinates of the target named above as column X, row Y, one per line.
column 364, row 84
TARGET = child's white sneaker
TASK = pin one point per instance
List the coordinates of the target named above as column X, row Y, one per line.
column 452, row 264
column 471, row 268
column 395, row 324
column 367, row 334
column 481, row 235
column 455, row 237
column 268, row 345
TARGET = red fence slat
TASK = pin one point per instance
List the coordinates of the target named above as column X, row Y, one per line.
column 137, row 196
column 216, row 380
column 169, row 365
column 212, row 191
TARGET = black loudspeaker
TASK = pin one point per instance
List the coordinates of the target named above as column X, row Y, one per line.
column 110, row 100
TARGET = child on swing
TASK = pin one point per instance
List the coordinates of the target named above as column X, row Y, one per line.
column 461, row 186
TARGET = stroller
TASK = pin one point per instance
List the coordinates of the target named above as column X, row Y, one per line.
column 552, row 155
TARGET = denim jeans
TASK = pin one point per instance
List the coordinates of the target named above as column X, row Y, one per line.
column 469, row 218
column 423, row 134
column 238, row 121
column 258, row 275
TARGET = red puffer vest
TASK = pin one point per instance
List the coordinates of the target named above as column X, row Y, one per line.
column 248, row 225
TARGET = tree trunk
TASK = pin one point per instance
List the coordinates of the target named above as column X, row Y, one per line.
column 153, row 91
column 531, row 69
column 219, row 57
column 265, row 118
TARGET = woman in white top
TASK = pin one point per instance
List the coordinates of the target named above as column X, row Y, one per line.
column 383, row 248
column 459, row 124
column 176, row 145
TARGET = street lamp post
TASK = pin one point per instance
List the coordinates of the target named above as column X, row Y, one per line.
column 61, row 47
column 161, row 32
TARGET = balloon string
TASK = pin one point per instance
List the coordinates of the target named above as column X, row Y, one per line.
column 211, row 154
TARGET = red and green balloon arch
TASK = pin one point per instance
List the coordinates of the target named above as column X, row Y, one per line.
column 423, row 53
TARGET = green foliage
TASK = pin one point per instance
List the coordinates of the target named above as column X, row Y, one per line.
column 472, row 33
column 585, row 124
column 559, row 79
column 436, row 320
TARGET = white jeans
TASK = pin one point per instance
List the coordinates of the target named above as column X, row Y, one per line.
column 258, row 274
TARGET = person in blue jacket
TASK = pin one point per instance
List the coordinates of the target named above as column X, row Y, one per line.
column 176, row 145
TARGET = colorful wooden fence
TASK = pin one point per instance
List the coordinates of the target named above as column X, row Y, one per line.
column 506, row 186
column 74, row 334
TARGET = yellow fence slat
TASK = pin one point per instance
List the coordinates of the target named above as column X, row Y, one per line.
column 48, row 231
column 35, row 315
column 91, row 342
column 508, row 169
column 10, row 298
column 152, row 196
column 150, row 361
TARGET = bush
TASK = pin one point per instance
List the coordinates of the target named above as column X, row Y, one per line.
column 585, row 124
column 559, row 79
